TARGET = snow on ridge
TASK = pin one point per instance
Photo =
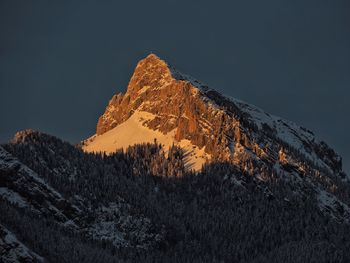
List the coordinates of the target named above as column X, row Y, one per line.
column 259, row 116
column 288, row 131
column 176, row 74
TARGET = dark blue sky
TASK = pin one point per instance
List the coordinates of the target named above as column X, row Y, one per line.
column 61, row 61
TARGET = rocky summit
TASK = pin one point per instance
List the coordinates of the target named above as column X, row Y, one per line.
column 164, row 104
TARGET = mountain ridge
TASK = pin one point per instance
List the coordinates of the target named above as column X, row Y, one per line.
column 219, row 127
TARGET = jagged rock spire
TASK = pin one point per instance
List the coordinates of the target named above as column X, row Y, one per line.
column 150, row 71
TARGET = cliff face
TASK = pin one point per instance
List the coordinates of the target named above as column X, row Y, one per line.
column 154, row 88
column 226, row 129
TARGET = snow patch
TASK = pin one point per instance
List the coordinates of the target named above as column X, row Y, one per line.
column 133, row 131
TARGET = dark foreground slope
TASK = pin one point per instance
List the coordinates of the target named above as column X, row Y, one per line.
column 140, row 205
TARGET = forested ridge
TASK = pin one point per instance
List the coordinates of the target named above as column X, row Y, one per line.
column 168, row 214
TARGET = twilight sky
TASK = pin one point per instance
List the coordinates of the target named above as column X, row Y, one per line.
column 61, row 61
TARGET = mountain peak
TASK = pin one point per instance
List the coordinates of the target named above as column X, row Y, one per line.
column 155, row 72
column 150, row 71
column 152, row 61
column 153, row 82
column 22, row 135
column 152, row 57
column 162, row 103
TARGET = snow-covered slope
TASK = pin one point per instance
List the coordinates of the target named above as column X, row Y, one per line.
column 133, row 131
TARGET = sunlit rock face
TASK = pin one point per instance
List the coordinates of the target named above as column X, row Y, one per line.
column 217, row 128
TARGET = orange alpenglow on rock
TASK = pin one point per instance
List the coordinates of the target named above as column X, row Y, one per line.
column 175, row 109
